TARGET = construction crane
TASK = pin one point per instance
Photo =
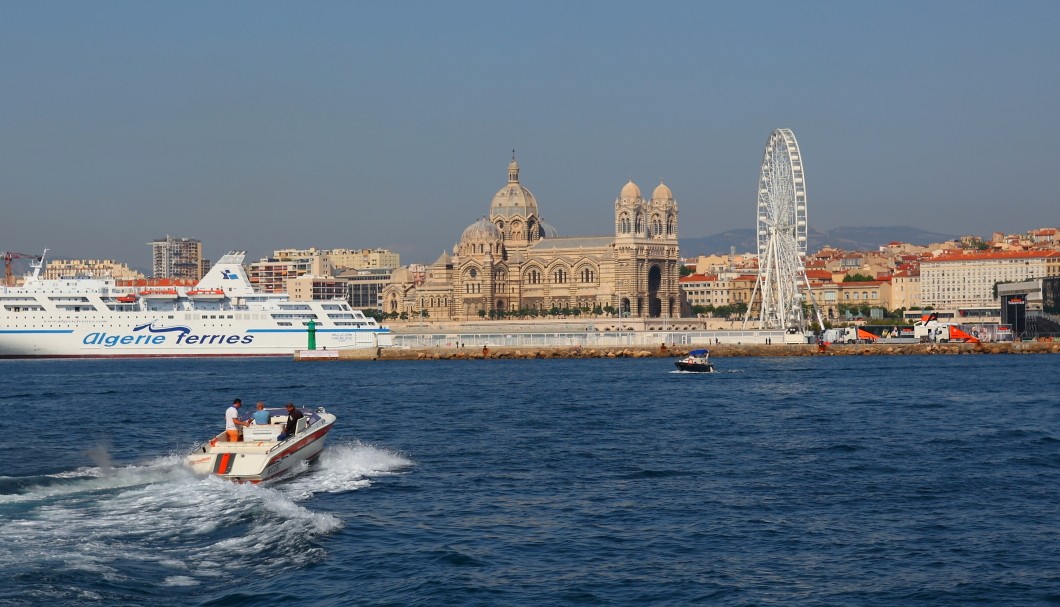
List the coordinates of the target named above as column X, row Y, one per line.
column 8, row 256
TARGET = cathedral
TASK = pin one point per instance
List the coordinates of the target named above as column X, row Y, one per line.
column 513, row 261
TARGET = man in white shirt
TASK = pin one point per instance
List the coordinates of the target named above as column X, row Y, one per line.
column 232, row 421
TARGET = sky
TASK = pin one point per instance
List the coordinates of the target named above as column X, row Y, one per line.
column 264, row 125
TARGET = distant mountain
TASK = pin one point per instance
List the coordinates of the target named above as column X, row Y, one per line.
column 866, row 238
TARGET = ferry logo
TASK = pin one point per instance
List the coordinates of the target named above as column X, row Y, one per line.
column 155, row 336
column 151, row 328
column 229, row 275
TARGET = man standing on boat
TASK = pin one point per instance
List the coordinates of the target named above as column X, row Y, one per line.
column 232, row 420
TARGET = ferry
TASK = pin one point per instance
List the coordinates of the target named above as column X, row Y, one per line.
column 221, row 315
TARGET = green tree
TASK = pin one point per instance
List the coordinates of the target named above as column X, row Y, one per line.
column 857, row 278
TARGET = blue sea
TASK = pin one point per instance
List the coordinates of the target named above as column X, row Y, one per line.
column 904, row 480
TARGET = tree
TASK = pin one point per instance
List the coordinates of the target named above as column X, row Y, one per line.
column 686, row 271
column 858, row 278
column 482, row 314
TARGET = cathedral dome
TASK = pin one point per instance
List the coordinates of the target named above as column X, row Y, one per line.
column 547, row 231
column 662, row 192
column 630, row 190
column 513, row 199
column 481, row 231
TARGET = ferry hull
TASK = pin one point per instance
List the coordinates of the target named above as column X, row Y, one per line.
column 97, row 318
column 127, row 343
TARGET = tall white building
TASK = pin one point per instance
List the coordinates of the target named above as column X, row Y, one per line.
column 951, row 282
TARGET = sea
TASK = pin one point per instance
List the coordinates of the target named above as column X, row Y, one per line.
column 856, row 480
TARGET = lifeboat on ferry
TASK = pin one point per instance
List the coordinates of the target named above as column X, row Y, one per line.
column 130, row 298
column 264, row 451
column 206, row 294
column 159, row 294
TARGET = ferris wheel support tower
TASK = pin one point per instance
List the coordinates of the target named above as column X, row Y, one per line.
column 782, row 282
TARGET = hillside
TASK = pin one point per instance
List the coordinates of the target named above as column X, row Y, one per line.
column 864, row 238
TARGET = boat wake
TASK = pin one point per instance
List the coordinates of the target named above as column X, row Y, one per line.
column 344, row 467
column 180, row 529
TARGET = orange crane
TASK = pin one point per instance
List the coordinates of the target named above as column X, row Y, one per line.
column 9, row 279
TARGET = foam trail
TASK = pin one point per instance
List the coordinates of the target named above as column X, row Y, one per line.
column 346, row 467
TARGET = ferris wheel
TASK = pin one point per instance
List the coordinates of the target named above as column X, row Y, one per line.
column 782, row 281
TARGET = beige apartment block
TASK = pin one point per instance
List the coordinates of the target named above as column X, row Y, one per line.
column 871, row 294
column 363, row 259
column 706, row 290
column 95, row 268
column 309, row 288
column 954, row 281
column 512, row 260
column 905, row 290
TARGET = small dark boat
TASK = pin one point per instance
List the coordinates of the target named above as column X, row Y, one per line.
column 697, row 361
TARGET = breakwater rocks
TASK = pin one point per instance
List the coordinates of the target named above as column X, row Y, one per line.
column 716, row 350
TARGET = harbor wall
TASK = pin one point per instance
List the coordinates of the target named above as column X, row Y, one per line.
column 667, row 351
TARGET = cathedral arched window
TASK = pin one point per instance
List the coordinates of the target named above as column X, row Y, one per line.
column 588, row 275
column 636, row 225
column 533, row 277
column 559, row 276
column 670, row 228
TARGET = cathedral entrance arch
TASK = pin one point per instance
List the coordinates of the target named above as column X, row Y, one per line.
column 623, row 307
column 654, row 282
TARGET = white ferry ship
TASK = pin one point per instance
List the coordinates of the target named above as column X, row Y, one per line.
column 222, row 315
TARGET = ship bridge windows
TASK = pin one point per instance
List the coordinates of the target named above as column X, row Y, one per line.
column 341, row 316
column 295, row 306
column 334, row 306
column 348, row 323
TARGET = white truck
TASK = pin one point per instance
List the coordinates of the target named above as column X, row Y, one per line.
column 841, row 335
column 942, row 332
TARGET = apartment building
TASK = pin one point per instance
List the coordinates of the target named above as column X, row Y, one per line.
column 905, row 289
column 173, row 257
column 953, row 281
column 95, row 268
column 364, row 259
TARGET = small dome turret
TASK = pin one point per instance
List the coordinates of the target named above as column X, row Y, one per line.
column 662, row 192
column 630, row 190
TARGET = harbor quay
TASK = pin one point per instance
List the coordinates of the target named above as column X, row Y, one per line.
column 662, row 350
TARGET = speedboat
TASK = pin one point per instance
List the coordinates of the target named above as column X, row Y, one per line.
column 261, row 456
column 697, row 361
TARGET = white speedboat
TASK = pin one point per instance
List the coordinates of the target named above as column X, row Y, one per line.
column 260, row 456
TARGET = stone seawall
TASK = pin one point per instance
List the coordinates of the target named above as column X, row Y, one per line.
column 716, row 351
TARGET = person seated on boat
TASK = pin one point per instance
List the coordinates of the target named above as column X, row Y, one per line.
column 232, row 421
column 293, row 415
column 261, row 416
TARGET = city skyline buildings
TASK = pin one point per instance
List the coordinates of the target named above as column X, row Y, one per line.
column 258, row 127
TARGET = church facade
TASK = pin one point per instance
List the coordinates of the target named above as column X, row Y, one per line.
column 513, row 261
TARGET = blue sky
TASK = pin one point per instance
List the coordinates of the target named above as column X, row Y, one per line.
column 263, row 125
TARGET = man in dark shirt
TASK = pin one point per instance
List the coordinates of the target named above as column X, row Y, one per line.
column 293, row 415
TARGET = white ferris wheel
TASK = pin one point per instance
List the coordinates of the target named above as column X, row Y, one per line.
column 782, row 281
